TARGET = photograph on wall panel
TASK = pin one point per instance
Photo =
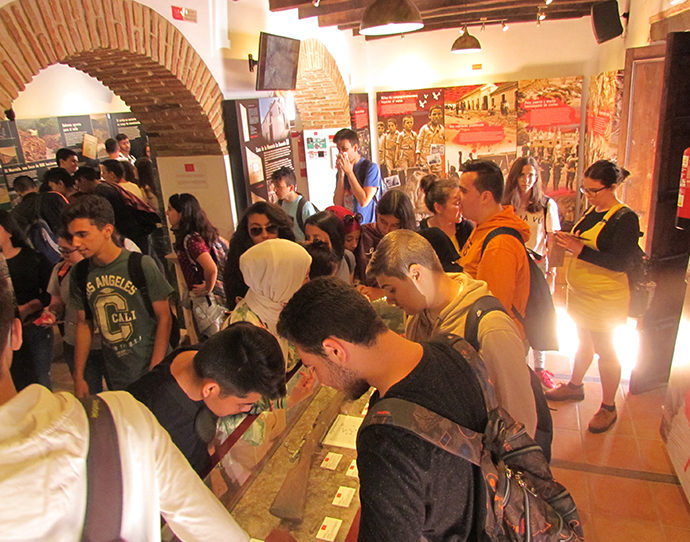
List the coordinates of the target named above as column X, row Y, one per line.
column 359, row 121
column 480, row 123
column 548, row 129
column 411, row 139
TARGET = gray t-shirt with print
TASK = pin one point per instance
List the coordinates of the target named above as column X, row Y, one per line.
column 118, row 310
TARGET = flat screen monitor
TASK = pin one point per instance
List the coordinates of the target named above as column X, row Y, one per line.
column 278, row 58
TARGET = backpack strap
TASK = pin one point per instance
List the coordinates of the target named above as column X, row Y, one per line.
column 300, row 210
column 138, row 278
column 502, row 230
column 103, row 520
column 480, row 308
column 425, row 423
column 81, row 272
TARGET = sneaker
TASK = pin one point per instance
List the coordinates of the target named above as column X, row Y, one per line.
column 566, row 392
column 546, row 378
column 602, row 420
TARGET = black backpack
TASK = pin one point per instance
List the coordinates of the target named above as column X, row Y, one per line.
column 539, row 320
column 544, row 432
column 523, row 501
column 42, row 237
column 138, row 278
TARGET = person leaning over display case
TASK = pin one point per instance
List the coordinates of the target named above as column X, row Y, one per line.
column 225, row 375
column 409, row 488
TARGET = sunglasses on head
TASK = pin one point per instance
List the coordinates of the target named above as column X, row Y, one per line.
column 255, row 231
column 349, row 219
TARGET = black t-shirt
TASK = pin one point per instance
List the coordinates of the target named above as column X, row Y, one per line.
column 410, row 488
column 175, row 411
column 30, row 272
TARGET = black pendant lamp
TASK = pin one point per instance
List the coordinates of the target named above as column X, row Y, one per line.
column 466, row 44
column 388, row 17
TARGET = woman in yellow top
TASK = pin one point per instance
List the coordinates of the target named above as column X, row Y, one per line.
column 602, row 242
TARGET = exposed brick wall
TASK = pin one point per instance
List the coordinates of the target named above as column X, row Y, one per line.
column 321, row 97
column 131, row 49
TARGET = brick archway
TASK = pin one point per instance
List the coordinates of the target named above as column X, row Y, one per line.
column 132, row 50
column 320, row 97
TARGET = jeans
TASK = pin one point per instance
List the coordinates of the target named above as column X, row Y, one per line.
column 94, row 370
column 31, row 363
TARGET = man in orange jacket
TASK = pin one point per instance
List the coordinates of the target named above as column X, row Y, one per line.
column 503, row 264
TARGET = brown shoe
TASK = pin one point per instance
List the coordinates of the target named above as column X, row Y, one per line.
column 566, row 392
column 602, row 420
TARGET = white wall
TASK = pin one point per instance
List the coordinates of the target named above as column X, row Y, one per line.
column 62, row 90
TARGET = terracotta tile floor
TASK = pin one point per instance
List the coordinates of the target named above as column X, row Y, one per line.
column 622, row 480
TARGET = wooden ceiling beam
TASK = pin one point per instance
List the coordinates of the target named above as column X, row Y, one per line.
column 487, row 9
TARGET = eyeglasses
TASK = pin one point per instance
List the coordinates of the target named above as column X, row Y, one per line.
column 255, row 231
column 66, row 251
column 592, row 191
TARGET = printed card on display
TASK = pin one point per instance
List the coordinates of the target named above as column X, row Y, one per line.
column 343, row 497
column 331, row 461
column 343, row 432
column 329, row 529
column 352, row 469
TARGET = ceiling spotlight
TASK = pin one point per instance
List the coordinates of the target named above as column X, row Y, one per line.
column 466, row 43
column 387, row 17
column 316, row 3
column 541, row 15
column 548, row 2
column 504, row 26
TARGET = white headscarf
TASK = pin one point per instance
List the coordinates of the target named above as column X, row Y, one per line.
column 274, row 270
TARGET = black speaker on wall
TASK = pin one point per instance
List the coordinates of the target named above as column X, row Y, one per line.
column 606, row 22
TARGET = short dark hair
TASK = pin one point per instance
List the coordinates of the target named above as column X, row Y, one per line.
column 606, row 172
column 489, row 177
column 121, row 137
column 437, row 106
column 348, row 134
column 63, row 154
column 324, row 262
column 328, row 307
column 243, row 358
column 284, row 173
column 396, row 203
column 96, row 208
column 333, row 227
column 115, row 167
column 110, row 145
column 23, row 183
column 58, row 174
column 88, row 173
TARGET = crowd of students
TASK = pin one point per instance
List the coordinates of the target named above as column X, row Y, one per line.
column 293, row 287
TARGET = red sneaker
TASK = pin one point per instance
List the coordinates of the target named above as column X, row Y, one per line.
column 546, row 378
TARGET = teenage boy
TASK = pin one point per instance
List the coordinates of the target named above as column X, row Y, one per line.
column 407, row 268
column 125, row 148
column 293, row 203
column 358, row 183
column 432, row 133
column 409, row 488
column 134, row 340
column 44, row 445
column 67, row 159
column 407, row 144
column 225, row 375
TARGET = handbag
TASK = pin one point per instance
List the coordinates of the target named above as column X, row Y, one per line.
column 209, row 315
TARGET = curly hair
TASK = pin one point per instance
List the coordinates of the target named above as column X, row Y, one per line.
column 241, row 241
